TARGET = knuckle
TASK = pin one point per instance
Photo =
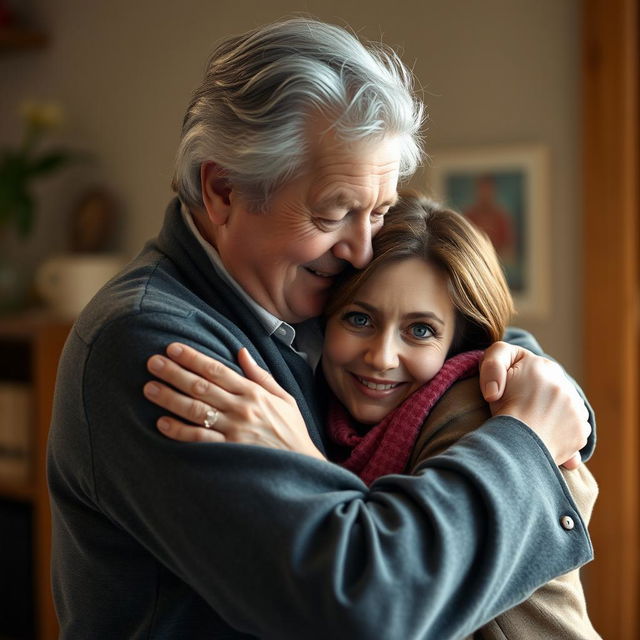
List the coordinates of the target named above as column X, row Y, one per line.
column 559, row 390
column 556, row 372
column 245, row 413
column 581, row 435
column 496, row 352
column 213, row 370
column 199, row 435
column 551, row 365
column 199, row 387
column 586, row 431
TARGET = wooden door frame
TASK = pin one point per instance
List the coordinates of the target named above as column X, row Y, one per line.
column 611, row 295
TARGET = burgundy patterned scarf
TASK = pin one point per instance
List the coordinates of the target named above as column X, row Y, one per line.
column 386, row 447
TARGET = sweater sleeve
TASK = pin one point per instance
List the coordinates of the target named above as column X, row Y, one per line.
column 285, row 546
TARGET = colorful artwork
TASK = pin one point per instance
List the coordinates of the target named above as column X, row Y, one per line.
column 504, row 193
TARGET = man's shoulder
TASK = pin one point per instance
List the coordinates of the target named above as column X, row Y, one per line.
column 149, row 304
column 145, row 287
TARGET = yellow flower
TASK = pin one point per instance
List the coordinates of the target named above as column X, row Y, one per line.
column 42, row 115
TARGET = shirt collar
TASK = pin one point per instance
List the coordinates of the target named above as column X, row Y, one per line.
column 311, row 336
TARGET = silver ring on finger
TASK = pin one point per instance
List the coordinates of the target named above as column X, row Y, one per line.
column 210, row 418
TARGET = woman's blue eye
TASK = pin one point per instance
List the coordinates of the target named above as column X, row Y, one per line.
column 357, row 319
column 421, row 330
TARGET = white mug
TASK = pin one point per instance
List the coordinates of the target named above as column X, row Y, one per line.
column 68, row 282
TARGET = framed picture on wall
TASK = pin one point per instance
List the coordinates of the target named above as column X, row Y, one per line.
column 505, row 192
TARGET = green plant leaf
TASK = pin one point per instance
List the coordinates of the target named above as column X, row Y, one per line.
column 10, row 190
column 21, row 167
column 13, row 168
column 24, row 210
column 49, row 162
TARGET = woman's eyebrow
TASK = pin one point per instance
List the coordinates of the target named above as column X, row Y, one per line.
column 416, row 315
column 365, row 305
column 413, row 315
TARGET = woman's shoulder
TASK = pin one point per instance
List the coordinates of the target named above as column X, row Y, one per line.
column 460, row 410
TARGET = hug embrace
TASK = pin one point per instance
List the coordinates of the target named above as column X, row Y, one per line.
column 338, row 443
column 403, row 336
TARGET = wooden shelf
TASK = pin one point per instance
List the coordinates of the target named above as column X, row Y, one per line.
column 24, row 324
column 30, row 346
column 21, row 39
column 18, row 491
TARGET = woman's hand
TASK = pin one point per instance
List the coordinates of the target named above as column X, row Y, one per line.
column 223, row 405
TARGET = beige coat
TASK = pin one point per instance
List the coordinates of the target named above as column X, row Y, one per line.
column 556, row 611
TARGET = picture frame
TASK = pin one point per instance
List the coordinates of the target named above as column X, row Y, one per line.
column 504, row 191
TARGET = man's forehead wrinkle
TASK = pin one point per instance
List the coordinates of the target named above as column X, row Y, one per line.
column 353, row 198
column 339, row 199
column 351, row 169
column 343, row 188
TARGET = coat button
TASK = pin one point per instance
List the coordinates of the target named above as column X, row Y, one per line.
column 567, row 522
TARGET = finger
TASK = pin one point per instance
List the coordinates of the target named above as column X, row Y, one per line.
column 498, row 359
column 573, row 462
column 207, row 367
column 258, row 375
column 186, row 407
column 191, row 384
column 182, row 432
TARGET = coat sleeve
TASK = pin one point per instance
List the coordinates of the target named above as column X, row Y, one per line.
column 286, row 546
column 555, row 610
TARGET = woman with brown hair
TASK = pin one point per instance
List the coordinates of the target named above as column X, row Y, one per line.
column 403, row 340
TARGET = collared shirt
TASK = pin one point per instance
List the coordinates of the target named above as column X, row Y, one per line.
column 305, row 339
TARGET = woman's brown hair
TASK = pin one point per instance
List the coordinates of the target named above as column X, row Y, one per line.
column 419, row 227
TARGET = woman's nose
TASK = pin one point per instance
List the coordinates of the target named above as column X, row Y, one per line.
column 382, row 353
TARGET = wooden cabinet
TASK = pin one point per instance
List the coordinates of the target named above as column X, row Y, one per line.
column 30, row 347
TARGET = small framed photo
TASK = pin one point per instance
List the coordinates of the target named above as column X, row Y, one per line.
column 505, row 192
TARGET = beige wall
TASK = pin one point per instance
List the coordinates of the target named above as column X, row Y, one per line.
column 493, row 72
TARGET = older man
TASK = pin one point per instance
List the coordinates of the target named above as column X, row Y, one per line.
column 291, row 152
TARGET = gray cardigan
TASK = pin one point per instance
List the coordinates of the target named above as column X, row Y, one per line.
column 160, row 539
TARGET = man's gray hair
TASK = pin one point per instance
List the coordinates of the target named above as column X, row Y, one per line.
column 251, row 113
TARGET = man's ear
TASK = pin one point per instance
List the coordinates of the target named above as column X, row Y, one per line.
column 216, row 192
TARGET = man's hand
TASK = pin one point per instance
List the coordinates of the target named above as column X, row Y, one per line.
column 517, row 383
column 231, row 408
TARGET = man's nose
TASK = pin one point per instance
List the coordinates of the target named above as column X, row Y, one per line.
column 355, row 246
column 382, row 352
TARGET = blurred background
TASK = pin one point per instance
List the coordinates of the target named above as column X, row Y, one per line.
column 494, row 74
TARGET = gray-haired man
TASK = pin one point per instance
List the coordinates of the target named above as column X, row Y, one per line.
column 290, row 156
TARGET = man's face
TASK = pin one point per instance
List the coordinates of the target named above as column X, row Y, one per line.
column 287, row 257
